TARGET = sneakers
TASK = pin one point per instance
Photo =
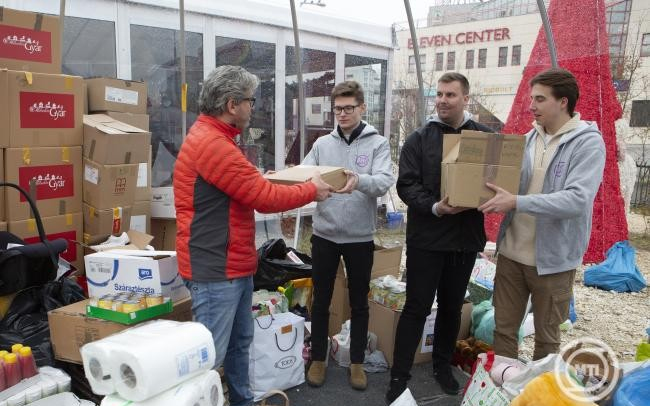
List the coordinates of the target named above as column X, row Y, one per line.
column 358, row 379
column 316, row 373
column 395, row 388
column 446, row 380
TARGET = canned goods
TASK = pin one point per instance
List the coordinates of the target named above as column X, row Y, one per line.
column 131, row 306
column 117, row 305
column 154, row 300
column 105, row 302
column 140, row 298
column 92, row 301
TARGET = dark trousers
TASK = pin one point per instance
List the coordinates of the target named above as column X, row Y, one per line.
column 428, row 272
column 358, row 264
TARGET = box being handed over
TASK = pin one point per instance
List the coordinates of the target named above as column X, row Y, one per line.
column 472, row 159
column 140, row 271
column 331, row 175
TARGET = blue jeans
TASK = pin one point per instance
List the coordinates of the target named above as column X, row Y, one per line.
column 225, row 309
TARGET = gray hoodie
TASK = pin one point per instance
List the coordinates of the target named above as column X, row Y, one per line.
column 346, row 218
column 563, row 210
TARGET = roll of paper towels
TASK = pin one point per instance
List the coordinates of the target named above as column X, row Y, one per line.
column 155, row 362
column 202, row 390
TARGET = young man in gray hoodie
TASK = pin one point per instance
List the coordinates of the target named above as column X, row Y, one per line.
column 548, row 224
column 345, row 225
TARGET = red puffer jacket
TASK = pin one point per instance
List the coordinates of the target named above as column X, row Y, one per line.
column 216, row 191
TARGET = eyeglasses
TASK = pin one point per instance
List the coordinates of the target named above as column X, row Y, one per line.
column 251, row 100
column 348, row 109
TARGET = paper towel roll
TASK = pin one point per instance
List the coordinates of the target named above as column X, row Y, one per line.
column 155, row 362
column 202, row 390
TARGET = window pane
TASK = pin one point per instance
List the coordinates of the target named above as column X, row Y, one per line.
column 451, row 60
column 516, row 55
column 439, row 61
column 640, row 116
column 482, row 57
column 89, row 47
column 469, row 59
column 258, row 140
column 371, row 74
column 318, row 74
column 412, row 64
column 503, row 56
column 155, row 59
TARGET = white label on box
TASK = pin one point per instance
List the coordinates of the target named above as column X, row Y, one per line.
column 142, row 175
column 116, row 95
column 139, row 223
column 91, row 174
column 427, row 333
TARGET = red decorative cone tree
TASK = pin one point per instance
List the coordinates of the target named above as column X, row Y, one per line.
column 581, row 39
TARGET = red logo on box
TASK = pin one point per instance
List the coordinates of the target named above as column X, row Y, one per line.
column 120, row 186
column 46, row 110
column 70, row 254
column 25, row 44
column 52, row 181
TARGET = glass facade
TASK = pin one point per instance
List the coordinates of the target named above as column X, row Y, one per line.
column 371, row 74
column 89, row 47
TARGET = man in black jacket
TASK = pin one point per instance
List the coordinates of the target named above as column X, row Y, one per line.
column 441, row 241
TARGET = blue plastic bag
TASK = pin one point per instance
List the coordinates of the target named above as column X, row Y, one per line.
column 573, row 316
column 483, row 324
column 618, row 271
column 634, row 389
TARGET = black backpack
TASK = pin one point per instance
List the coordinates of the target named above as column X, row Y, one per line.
column 29, row 264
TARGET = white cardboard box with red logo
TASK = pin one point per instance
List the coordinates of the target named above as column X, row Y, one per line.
column 51, row 175
column 30, row 41
column 67, row 226
column 40, row 110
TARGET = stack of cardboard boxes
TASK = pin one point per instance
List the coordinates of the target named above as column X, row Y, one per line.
column 117, row 159
column 41, row 117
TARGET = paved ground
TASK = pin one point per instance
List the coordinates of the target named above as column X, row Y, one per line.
column 337, row 391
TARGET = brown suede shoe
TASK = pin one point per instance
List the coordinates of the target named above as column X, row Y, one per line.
column 316, row 373
column 358, row 377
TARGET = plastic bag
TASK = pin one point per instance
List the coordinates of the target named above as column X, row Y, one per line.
column 405, row 399
column 634, row 389
column 274, row 269
column 642, row 352
column 618, row 271
column 545, row 390
column 480, row 389
column 483, row 323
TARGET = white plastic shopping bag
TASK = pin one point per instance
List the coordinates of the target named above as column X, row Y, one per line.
column 405, row 399
column 276, row 353
column 481, row 391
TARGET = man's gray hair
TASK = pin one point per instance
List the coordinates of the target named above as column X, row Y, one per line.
column 225, row 83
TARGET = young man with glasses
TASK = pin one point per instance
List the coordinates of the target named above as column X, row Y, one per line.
column 345, row 225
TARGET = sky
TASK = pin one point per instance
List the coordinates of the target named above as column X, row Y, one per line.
column 380, row 12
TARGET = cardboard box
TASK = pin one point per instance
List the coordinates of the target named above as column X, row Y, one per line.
column 164, row 232
column 101, row 223
column 303, row 173
column 143, row 184
column 148, row 272
column 108, row 141
column 472, row 159
column 108, row 186
column 386, row 261
column 124, row 96
column 70, row 328
column 30, row 41
column 51, row 175
column 137, row 241
column 40, row 110
column 162, row 203
column 141, row 218
column 2, row 190
column 136, row 120
column 3, row 226
column 67, row 226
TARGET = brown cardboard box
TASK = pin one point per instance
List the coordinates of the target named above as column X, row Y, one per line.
column 108, row 141
column 141, row 217
column 57, row 181
column 143, row 185
column 303, row 173
column 162, row 203
column 164, row 232
column 473, row 158
column 125, row 96
column 70, row 328
column 40, row 110
column 68, row 226
column 108, row 186
column 2, row 190
column 383, row 322
column 137, row 120
column 100, row 223
column 386, row 261
column 31, row 41
column 3, row 226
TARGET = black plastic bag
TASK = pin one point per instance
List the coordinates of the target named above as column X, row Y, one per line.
column 273, row 267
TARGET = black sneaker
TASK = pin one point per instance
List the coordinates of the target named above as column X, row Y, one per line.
column 395, row 388
column 445, row 378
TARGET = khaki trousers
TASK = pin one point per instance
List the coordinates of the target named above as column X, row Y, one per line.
column 550, row 297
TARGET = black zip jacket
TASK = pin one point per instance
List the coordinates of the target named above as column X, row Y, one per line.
column 418, row 185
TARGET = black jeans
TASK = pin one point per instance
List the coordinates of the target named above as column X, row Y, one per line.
column 358, row 264
column 427, row 272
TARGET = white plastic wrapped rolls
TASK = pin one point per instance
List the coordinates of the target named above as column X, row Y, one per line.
column 202, row 390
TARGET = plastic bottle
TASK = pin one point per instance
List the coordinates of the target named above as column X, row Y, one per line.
column 16, row 348
column 3, row 382
column 12, row 370
column 27, row 363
